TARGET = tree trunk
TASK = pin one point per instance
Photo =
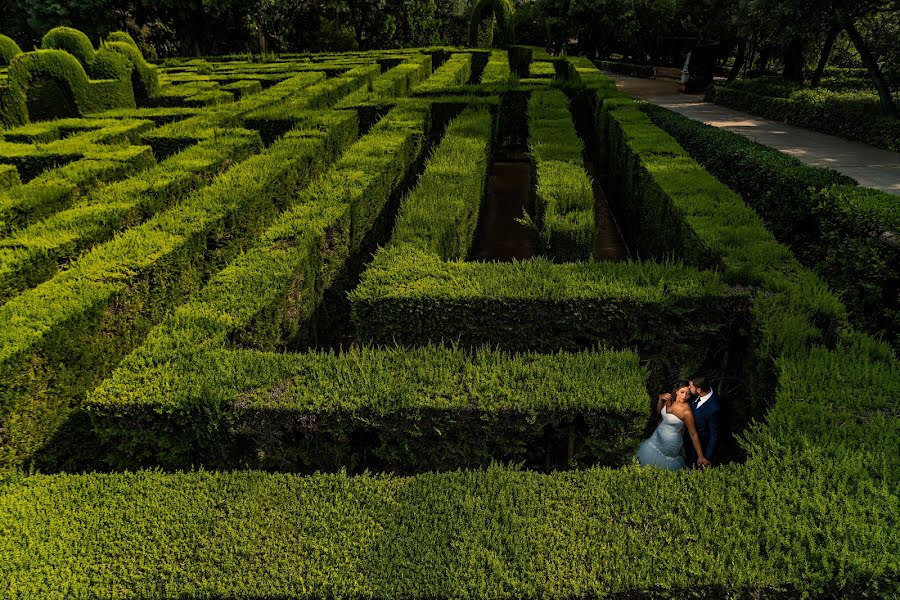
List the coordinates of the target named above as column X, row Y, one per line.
column 793, row 61
column 738, row 61
column 884, row 92
column 826, row 53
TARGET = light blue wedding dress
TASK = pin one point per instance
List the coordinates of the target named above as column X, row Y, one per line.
column 663, row 448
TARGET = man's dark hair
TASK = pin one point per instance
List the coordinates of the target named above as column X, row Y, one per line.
column 700, row 382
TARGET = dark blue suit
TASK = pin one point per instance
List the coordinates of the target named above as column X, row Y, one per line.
column 709, row 425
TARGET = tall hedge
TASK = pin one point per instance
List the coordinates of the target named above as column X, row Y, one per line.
column 9, row 49
column 485, row 9
column 72, row 41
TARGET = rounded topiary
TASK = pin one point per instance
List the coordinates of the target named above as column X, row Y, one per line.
column 121, row 36
column 72, row 41
column 8, row 49
column 503, row 10
column 144, row 77
column 109, row 64
column 46, row 77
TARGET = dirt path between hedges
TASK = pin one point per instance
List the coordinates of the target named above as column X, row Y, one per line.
column 871, row 167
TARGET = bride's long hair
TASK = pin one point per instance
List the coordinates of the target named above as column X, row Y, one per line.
column 681, row 383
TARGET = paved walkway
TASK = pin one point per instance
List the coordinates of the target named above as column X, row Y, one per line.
column 871, row 167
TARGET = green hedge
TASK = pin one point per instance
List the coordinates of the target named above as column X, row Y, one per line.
column 441, row 215
column 9, row 49
column 393, row 83
column 33, row 255
column 454, row 72
column 845, row 235
column 395, row 410
column 497, row 70
column 30, row 72
column 59, row 188
column 564, row 198
column 540, row 306
column 860, row 259
column 208, row 123
column 59, row 344
column 9, row 177
column 818, row 110
column 72, row 41
column 144, row 78
column 673, row 207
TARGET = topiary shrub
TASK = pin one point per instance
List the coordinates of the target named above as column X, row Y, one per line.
column 144, row 78
column 121, row 36
column 72, row 41
column 43, row 78
column 8, row 49
column 503, row 10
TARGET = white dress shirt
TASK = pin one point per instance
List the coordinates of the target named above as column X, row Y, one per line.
column 703, row 399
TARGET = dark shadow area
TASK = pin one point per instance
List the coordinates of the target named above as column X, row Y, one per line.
column 510, row 189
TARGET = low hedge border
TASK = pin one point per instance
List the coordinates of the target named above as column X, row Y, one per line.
column 33, row 254
column 823, row 112
column 57, row 348
column 397, row 410
column 564, row 198
column 540, row 306
column 818, row 212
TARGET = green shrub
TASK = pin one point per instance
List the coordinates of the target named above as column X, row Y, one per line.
column 540, row 306
column 853, row 253
column 455, row 71
column 144, row 78
column 60, row 345
column 9, row 177
column 851, row 116
column 860, row 254
column 9, row 49
column 564, row 198
column 441, row 215
column 396, row 410
column 394, row 83
column 502, row 10
column 72, row 41
column 32, row 255
column 122, row 37
column 497, row 71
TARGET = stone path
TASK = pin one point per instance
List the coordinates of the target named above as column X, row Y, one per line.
column 871, row 167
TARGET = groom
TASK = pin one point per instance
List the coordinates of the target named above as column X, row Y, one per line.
column 707, row 415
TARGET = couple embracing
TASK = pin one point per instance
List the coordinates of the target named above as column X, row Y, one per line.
column 688, row 434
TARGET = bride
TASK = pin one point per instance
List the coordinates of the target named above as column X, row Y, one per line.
column 663, row 448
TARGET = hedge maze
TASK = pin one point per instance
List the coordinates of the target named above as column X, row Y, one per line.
column 246, row 351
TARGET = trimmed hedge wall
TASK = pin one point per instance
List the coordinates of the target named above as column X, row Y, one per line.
column 497, row 70
column 455, row 71
column 33, row 255
column 9, row 49
column 395, row 410
column 846, row 234
column 818, row 110
column 564, row 198
column 72, row 41
column 441, row 215
column 59, row 346
column 539, row 306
